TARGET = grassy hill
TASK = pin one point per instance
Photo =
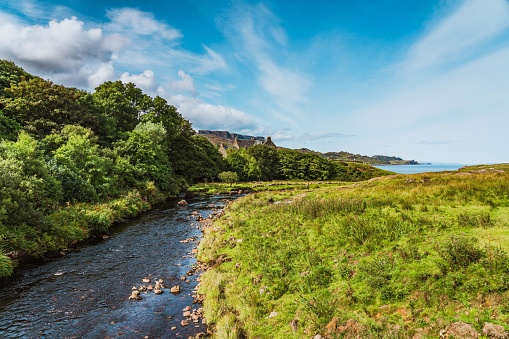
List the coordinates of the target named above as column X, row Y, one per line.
column 394, row 257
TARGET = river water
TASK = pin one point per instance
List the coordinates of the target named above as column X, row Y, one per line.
column 84, row 294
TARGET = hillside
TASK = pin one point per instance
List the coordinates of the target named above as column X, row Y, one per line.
column 226, row 138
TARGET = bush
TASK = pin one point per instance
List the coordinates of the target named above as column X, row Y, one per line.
column 460, row 251
column 5, row 266
column 228, row 177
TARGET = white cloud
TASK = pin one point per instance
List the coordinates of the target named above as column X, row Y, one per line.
column 184, row 85
column 64, row 50
column 285, row 136
column 263, row 40
column 61, row 46
column 215, row 117
column 105, row 72
column 145, row 80
column 473, row 23
column 133, row 21
column 459, row 103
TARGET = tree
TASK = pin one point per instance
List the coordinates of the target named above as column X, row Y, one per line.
column 243, row 164
column 228, row 177
column 86, row 170
column 29, row 191
column 43, row 107
column 267, row 159
column 144, row 157
column 123, row 103
column 8, row 128
column 305, row 166
column 10, row 74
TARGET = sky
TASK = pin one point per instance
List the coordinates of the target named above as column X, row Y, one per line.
column 426, row 79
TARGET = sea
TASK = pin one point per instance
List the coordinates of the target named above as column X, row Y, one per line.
column 423, row 168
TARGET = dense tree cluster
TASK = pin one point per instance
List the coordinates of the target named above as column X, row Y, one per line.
column 61, row 146
column 262, row 162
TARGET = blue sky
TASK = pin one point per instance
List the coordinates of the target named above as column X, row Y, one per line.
column 424, row 79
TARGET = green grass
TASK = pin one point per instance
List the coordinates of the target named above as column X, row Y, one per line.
column 398, row 255
column 260, row 186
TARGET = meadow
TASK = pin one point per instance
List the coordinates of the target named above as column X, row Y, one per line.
column 394, row 257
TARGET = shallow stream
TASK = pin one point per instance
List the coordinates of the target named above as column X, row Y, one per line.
column 84, row 294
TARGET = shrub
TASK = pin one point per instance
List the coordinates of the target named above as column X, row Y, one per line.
column 460, row 251
column 228, row 177
column 5, row 266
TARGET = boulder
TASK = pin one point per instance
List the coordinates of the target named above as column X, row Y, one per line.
column 495, row 331
column 182, row 203
column 459, row 329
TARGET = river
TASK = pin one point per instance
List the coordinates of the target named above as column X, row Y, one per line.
column 84, row 294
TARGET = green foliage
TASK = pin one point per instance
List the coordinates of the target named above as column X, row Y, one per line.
column 146, row 158
column 123, row 103
column 9, row 128
column 6, row 266
column 350, row 171
column 10, row 74
column 267, row 159
column 262, row 162
column 93, row 167
column 305, row 166
column 42, row 107
column 460, row 251
column 245, row 165
column 28, row 189
column 228, row 177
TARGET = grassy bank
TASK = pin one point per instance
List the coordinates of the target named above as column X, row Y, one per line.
column 261, row 186
column 70, row 225
column 392, row 257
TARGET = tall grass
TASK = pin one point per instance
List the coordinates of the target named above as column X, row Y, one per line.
column 394, row 254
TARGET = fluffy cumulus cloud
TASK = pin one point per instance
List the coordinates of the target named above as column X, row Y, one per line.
column 63, row 50
column 208, row 116
column 145, row 80
column 75, row 53
column 58, row 47
column 184, row 85
column 100, row 74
